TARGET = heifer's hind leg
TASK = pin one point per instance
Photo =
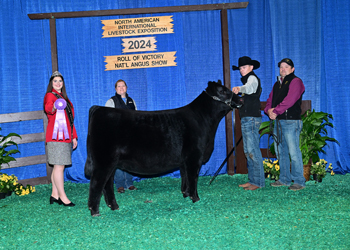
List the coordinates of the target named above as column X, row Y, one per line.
column 100, row 177
column 95, row 193
column 108, row 193
column 184, row 183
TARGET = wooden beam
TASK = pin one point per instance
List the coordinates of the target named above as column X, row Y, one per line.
column 35, row 181
column 22, row 116
column 25, row 161
column 135, row 11
column 227, row 82
column 53, row 38
column 28, row 138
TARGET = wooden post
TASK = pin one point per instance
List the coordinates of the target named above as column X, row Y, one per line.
column 48, row 168
column 53, row 39
column 227, row 83
column 241, row 161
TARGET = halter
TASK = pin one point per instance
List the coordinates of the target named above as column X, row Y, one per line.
column 228, row 102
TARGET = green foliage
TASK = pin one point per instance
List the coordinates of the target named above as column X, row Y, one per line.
column 320, row 168
column 6, row 141
column 313, row 136
column 20, row 190
column 267, row 128
column 9, row 183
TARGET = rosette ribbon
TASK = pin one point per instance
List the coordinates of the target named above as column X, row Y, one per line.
column 60, row 126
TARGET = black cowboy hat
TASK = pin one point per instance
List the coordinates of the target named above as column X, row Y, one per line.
column 245, row 60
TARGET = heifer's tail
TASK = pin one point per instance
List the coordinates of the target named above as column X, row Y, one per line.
column 88, row 163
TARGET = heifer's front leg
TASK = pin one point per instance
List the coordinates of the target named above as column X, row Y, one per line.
column 108, row 193
column 192, row 179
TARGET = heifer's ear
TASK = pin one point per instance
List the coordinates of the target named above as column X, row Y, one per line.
column 212, row 82
column 210, row 85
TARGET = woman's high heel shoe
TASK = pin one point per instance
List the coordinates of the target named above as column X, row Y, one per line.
column 53, row 199
column 67, row 205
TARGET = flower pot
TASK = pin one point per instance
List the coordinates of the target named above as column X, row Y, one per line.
column 307, row 171
column 4, row 195
column 317, row 178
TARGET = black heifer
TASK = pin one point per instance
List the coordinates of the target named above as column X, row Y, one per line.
column 154, row 142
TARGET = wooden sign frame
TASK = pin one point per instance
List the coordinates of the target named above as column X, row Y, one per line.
column 185, row 8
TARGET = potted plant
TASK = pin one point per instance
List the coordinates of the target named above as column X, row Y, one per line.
column 320, row 169
column 5, row 142
column 313, row 136
column 9, row 183
column 271, row 169
column 20, row 190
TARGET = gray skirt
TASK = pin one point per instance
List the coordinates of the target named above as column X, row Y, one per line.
column 59, row 153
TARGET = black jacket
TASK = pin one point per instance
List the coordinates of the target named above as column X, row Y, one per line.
column 251, row 105
column 119, row 103
column 280, row 91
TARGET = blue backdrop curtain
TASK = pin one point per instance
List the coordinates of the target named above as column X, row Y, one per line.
column 310, row 33
column 334, row 89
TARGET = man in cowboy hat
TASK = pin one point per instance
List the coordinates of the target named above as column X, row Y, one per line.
column 284, row 106
column 250, row 121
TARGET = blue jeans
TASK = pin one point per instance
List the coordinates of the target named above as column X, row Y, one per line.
column 122, row 179
column 288, row 151
column 251, row 138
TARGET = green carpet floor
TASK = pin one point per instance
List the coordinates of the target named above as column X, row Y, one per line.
column 156, row 216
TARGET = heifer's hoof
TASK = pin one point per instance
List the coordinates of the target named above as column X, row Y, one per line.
column 114, row 206
column 195, row 199
column 185, row 194
column 94, row 213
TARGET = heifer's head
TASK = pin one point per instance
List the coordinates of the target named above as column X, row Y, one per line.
column 222, row 94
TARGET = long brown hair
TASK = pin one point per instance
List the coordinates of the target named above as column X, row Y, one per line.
column 63, row 90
